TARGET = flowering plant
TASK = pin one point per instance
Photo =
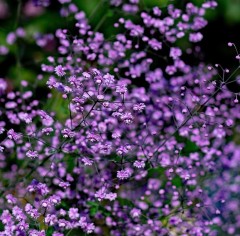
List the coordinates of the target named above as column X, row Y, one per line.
column 143, row 142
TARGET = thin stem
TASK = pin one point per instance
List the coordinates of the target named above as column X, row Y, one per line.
column 193, row 112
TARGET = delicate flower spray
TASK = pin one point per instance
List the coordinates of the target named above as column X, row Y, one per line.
column 129, row 159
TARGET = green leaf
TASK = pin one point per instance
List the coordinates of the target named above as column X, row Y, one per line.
column 156, row 172
column 189, row 147
column 125, row 202
column 50, row 231
column 177, row 181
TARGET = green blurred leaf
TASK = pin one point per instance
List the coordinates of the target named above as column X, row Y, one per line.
column 158, row 171
column 125, row 202
column 189, row 147
column 177, row 181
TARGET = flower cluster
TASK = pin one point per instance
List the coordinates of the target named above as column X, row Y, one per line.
column 147, row 145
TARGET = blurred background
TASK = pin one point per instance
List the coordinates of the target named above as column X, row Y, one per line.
column 224, row 26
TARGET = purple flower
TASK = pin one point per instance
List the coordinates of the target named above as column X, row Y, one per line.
column 175, row 53
column 60, row 71
column 155, row 45
column 123, row 174
column 124, row 137
column 73, row 213
column 47, row 131
column 13, row 135
column 195, row 37
column 121, row 88
column 139, row 164
column 139, row 107
column 1, row 148
column 111, row 196
column 108, row 79
column 32, row 154
column 135, row 213
column 67, row 133
column 127, row 118
column 87, row 161
column 44, row 3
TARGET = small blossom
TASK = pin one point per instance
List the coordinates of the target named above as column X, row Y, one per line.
column 67, row 133
column 93, row 137
column 32, row 154
column 123, row 174
column 175, row 53
column 37, row 187
column 64, row 185
column 51, row 219
column 13, row 135
column 73, row 213
column 155, row 45
column 127, row 118
column 54, row 199
column 11, row 199
column 121, row 88
column 135, row 213
column 25, row 117
column 90, row 228
column 100, row 194
column 195, row 37
column 139, row 107
column 86, row 75
column 139, row 164
column 111, row 196
column 47, row 131
column 87, row 161
column 59, row 70
column 32, row 211
column 108, row 79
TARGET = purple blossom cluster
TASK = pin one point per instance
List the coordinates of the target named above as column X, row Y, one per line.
column 155, row 157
